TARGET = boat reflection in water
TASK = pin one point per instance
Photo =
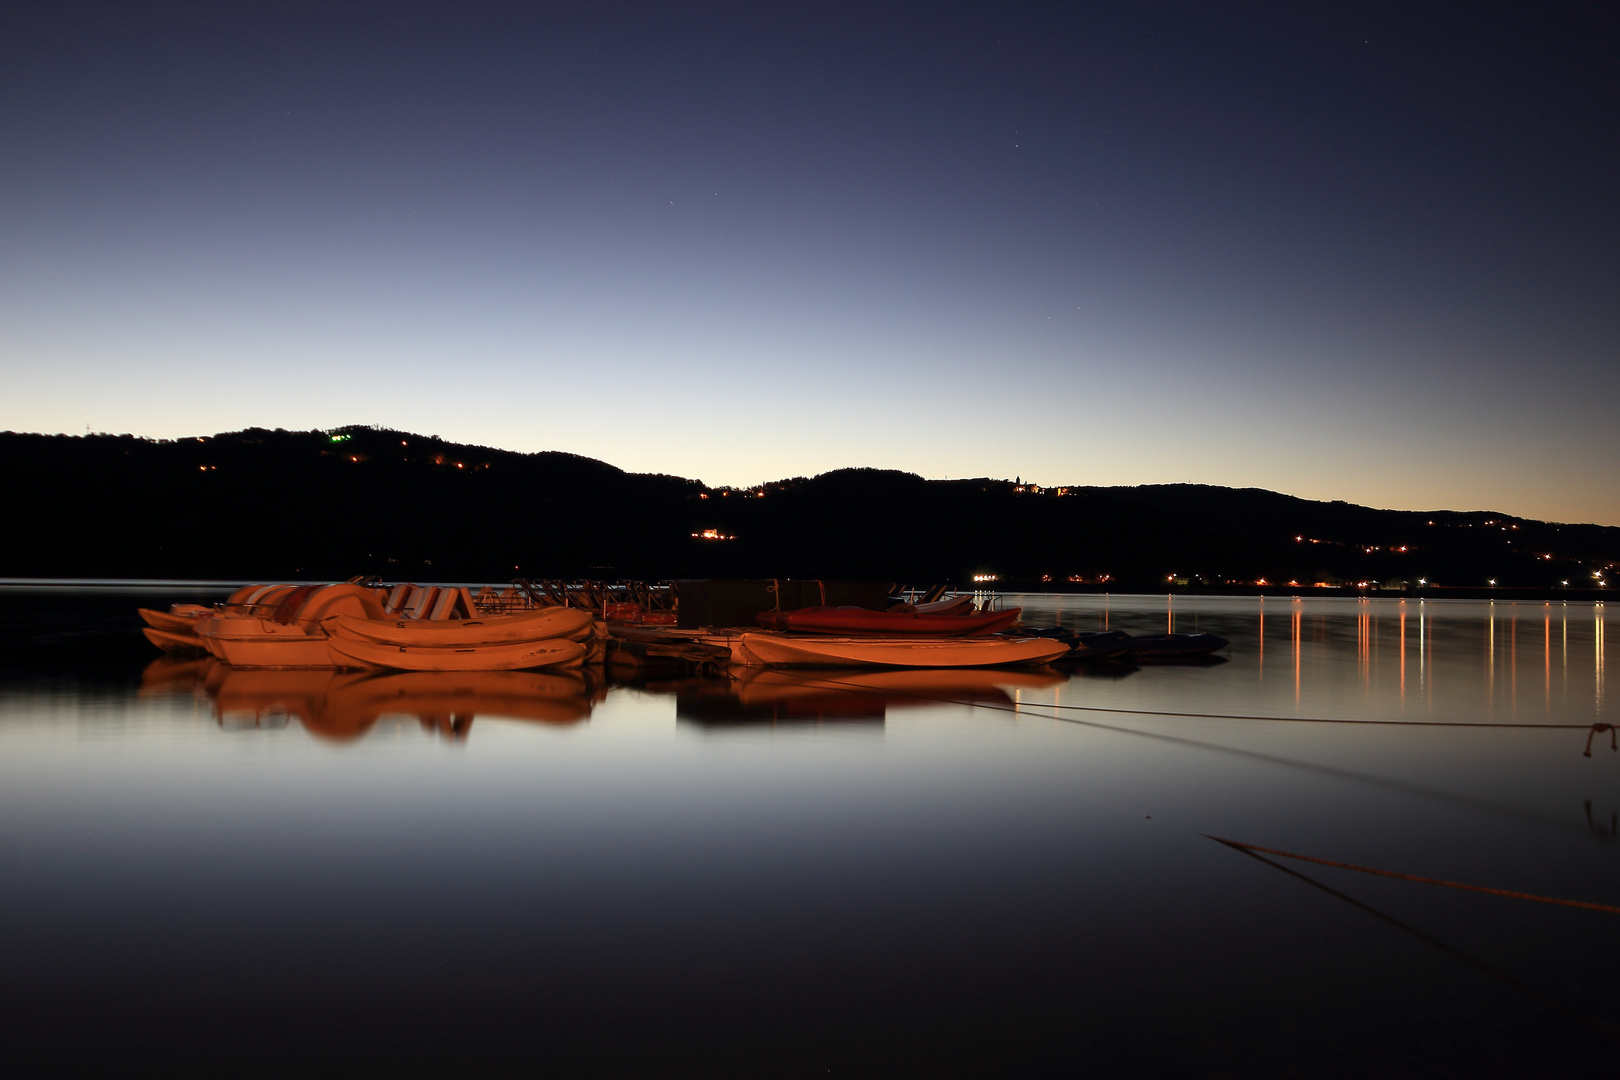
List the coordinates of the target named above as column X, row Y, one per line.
column 772, row 696
column 341, row 706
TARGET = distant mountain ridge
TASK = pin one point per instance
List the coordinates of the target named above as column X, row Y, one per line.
column 259, row 504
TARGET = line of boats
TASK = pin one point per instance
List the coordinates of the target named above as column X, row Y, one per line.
column 405, row 627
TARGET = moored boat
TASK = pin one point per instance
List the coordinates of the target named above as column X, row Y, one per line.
column 535, row 625
column 515, row 656
column 936, row 651
column 280, row 626
column 850, row 621
column 179, row 619
column 174, row 640
column 955, row 605
column 1174, row 645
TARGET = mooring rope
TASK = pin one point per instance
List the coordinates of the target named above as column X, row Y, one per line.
column 1587, row 905
column 1597, row 1027
column 922, row 696
column 1017, row 709
column 1254, row 851
column 1313, row 719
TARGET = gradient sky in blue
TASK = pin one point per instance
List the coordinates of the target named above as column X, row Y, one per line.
column 1367, row 254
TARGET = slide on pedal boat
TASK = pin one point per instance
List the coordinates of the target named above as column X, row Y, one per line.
column 855, row 620
column 348, row 652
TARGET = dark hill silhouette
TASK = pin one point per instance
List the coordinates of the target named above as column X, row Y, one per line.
column 260, row 504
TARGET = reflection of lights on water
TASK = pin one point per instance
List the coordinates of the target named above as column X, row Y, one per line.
column 1490, row 657
column 1513, row 663
column 1597, row 672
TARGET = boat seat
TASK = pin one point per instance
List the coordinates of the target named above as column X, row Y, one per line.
column 397, row 597
column 445, row 604
column 421, row 602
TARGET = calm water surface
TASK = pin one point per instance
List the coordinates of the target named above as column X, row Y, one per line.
column 834, row 873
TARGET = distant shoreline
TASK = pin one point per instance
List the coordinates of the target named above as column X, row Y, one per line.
column 1526, row 594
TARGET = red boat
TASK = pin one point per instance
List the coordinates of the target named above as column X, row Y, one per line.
column 857, row 621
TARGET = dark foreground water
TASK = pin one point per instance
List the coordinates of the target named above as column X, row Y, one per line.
column 836, row 874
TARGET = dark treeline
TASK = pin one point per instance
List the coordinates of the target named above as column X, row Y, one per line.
column 260, row 504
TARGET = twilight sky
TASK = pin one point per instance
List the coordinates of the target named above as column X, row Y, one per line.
column 1360, row 251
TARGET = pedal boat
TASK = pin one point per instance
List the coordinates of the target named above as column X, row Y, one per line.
column 175, row 630
column 775, row 650
column 527, row 626
column 289, row 635
column 180, row 618
column 515, row 656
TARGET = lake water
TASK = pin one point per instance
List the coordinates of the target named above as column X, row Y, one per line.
column 824, row 874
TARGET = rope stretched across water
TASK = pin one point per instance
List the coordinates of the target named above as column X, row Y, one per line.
column 1584, row 904
column 1597, row 1027
column 922, row 696
column 1313, row 719
column 1017, row 709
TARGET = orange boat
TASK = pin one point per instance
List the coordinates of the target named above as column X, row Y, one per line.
column 175, row 630
column 180, row 618
column 536, row 625
column 174, row 640
column 848, row 621
column 405, row 627
column 774, row 650
column 280, row 626
column 516, row 656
